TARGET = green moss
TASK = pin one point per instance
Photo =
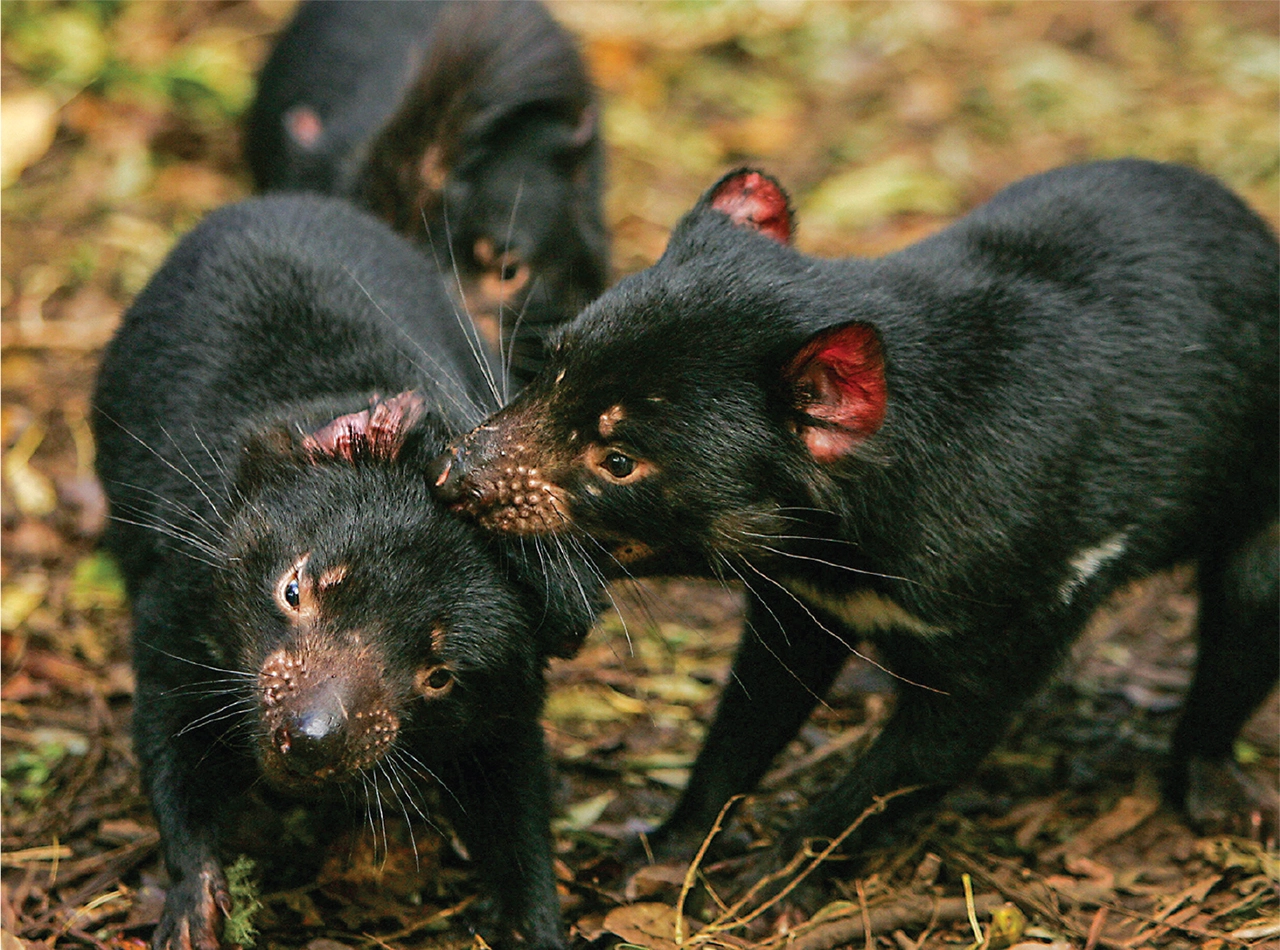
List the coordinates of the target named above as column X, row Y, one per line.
column 245, row 904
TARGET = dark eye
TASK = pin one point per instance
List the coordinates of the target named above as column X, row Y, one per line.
column 434, row 681
column 619, row 465
column 510, row 271
column 291, row 594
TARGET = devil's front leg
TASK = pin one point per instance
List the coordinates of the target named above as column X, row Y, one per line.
column 189, row 775
column 956, row 695
column 786, row 662
column 498, row 794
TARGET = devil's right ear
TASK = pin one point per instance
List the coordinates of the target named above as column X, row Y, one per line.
column 838, row 389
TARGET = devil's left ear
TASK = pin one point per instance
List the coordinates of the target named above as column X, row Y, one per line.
column 755, row 201
column 378, row 432
column 838, row 389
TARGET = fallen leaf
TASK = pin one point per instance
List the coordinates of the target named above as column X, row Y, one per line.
column 96, row 583
column 648, row 925
column 585, row 813
column 30, row 121
column 32, row 492
column 655, row 880
column 1129, row 813
column 20, row 597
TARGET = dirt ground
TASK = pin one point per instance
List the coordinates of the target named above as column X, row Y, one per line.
column 885, row 120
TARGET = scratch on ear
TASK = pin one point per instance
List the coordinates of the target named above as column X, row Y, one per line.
column 377, row 432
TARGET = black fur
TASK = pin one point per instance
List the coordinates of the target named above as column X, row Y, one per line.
column 470, row 127
column 957, row 450
column 229, row 480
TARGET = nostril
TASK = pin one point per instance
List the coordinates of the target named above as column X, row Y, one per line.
column 311, row 742
column 444, row 475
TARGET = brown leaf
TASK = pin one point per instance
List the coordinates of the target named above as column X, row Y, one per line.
column 655, row 880
column 1129, row 813
column 648, row 925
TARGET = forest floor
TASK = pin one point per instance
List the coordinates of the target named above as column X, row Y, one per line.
column 886, row 121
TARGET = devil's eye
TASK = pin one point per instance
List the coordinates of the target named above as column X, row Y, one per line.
column 292, row 597
column 510, row 270
column 619, row 465
column 434, row 681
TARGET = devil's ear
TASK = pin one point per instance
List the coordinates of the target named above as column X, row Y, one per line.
column 303, row 126
column 838, row 389
column 376, row 433
column 754, row 200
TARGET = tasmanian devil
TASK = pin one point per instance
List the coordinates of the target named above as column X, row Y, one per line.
column 304, row 611
column 956, row 450
column 470, row 127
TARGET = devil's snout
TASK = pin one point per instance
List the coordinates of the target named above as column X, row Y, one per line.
column 445, row 475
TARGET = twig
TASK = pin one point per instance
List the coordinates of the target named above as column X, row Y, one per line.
column 1095, row 928
column 780, row 777
column 1029, row 904
column 911, row 911
column 692, row 872
column 866, row 918
column 973, row 912
column 723, row 923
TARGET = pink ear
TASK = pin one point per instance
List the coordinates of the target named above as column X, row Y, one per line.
column 377, row 432
column 838, row 383
column 304, row 126
column 754, row 200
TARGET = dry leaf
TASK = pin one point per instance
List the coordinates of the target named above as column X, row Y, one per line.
column 647, row 925
column 20, row 597
column 32, row 492
column 30, row 121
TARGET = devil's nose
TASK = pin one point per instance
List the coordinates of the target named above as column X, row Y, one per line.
column 312, row 739
column 444, row 475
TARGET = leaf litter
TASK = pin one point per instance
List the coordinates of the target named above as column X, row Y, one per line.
column 885, row 120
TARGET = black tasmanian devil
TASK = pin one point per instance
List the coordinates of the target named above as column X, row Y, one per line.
column 471, row 128
column 304, row 611
column 956, row 450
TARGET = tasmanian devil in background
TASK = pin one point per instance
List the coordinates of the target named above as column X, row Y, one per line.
column 957, row 451
column 304, row 610
column 470, row 127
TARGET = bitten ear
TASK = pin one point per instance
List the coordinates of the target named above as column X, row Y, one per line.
column 376, row 433
column 754, row 200
column 838, row 389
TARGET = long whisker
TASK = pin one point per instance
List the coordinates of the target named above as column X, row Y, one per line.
column 194, row 472
column 387, row 769
column 173, row 504
column 511, row 342
column 422, row 767
column 183, row 659
column 469, row 329
column 449, row 385
column 821, row 626
column 170, row 532
column 235, row 707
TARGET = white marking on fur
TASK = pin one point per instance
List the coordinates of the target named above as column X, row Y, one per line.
column 1087, row 562
column 864, row 610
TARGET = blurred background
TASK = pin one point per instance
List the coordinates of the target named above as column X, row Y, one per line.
column 120, row 127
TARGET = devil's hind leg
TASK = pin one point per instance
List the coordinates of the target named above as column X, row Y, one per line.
column 1238, row 664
